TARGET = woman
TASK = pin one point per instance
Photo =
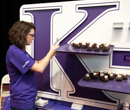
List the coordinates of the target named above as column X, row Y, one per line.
column 21, row 66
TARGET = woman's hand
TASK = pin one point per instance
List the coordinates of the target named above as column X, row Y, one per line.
column 53, row 48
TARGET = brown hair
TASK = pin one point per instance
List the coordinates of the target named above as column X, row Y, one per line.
column 18, row 33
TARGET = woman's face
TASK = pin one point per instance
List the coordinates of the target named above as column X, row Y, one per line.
column 30, row 37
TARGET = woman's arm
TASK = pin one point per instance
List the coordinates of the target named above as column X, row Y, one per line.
column 39, row 66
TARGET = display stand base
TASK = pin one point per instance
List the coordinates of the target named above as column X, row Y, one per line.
column 41, row 102
column 62, row 105
column 76, row 106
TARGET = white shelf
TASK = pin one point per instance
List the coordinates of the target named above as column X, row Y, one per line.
column 118, row 25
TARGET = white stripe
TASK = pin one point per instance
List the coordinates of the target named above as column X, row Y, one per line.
column 25, row 63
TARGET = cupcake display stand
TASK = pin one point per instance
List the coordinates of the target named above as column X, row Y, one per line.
column 68, row 48
column 111, row 85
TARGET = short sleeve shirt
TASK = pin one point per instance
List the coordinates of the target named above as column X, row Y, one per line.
column 23, row 87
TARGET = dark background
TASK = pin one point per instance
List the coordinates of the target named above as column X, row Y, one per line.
column 9, row 11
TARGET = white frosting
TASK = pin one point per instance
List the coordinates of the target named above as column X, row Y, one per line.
column 124, row 74
column 105, row 76
column 101, row 74
column 101, row 71
column 87, row 75
column 83, row 43
column 94, row 74
column 111, row 74
column 119, row 76
column 107, row 44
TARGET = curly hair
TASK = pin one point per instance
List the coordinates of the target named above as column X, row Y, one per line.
column 18, row 33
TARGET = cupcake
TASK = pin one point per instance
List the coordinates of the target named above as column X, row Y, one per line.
column 94, row 45
column 101, row 75
column 125, row 76
column 91, row 73
column 89, row 48
column 111, row 76
column 87, row 44
column 109, row 72
column 119, row 78
column 105, row 48
column 105, row 78
column 77, row 46
column 101, row 71
column 83, row 46
column 101, row 45
column 95, row 75
column 87, row 77
column 80, row 43
column 96, row 49
column 116, row 75
column 74, row 44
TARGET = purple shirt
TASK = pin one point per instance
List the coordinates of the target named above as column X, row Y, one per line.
column 23, row 89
